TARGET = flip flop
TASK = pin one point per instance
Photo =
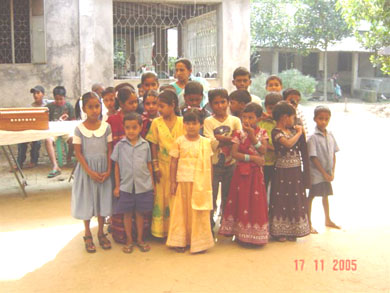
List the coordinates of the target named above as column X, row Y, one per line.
column 143, row 247
column 89, row 246
column 128, row 248
column 53, row 173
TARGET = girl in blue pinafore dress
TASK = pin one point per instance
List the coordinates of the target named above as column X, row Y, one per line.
column 92, row 189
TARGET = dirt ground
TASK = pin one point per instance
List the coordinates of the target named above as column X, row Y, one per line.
column 42, row 248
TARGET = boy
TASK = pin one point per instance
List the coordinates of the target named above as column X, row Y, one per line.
column 218, row 129
column 293, row 96
column 238, row 100
column 38, row 94
column 274, row 84
column 133, row 180
column 322, row 148
column 242, row 80
column 268, row 123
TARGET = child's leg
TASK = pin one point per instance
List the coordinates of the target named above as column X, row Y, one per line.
column 215, row 185
column 51, row 153
column 226, row 179
column 309, row 204
column 128, row 223
column 89, row 245
column 103, row 240
column 34, row 153
column 22, row 149
column 328, row 221
column 139, row 221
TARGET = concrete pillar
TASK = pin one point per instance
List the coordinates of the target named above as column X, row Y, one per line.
column 234, row 40
column 354, row 71
column 96, row 43
column 275, row 62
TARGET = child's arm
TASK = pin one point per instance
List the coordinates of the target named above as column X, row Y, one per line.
column 173, row 171
column 290, row 142
column 94, row 175
column 241, row 157
column 117, row 180
column 106, row 174
column 334, row 165
column 156, row 168
column 318, row 166
column 150, row 167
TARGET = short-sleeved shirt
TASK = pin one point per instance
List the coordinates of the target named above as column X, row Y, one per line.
column 55, row 111
column 210, row 124
column 188, row 152
column 44, row 103
column 268, row 125
column 323, row 146
column 133, row 165
column 116, row 123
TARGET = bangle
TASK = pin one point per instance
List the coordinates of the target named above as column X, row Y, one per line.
column 247, row 158
column 258, row 144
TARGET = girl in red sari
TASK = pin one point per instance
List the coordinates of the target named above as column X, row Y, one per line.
column 245, row 215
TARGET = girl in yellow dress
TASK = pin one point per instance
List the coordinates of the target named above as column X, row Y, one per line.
column 191, row 188
column 162, row 134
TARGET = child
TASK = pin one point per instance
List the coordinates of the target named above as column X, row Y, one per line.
column 274, row 84
column 268, row 123
column 221, row 122
column 238, row 100
column 38, row 94
column 162, row 134
column 91, row 191
column 150, row 107
column 242, row 81
column 133, row 180
column 287, row 210
column 246, row 214
column 191, row 188
column 149, row 81
column 294, row 97
column 322, row 151
column 109, row 101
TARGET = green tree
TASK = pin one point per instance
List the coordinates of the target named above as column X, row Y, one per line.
column 318, row 24
column 376, row 13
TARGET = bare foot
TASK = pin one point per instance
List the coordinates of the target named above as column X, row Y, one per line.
column 313, row 231
column 330, row 224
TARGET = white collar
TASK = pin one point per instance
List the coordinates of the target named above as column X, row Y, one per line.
column 97, row 133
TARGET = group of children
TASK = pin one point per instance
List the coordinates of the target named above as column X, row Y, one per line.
column 168, row 162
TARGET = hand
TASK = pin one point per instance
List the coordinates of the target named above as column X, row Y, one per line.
column 222, row 138
column 259, row 161
column 95, row 176
column 248, row 129
column 157, row 176
column 328, row 177
column 298, row 128
column 116, row 191
column 105, row 175
column 173, row 188
column 64, row 117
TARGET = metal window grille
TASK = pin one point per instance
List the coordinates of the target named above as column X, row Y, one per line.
column 150, row 36
column 15, row 31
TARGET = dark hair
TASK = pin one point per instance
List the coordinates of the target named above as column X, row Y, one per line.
column 273, row 77
column 85, row 99
column 96, row 86
column 241, row 96
column 290, row 91
column 125, row 93
column 194, row 115
column 272, row 99
column 186, row 62
column 282, row 108
column 108, row 90
column 320, row 109
column 170, row 98
column 218, row 92
column 193, row 88
column 148, row 94
column 147, row 75
column 139, row 85
column 133, row 116
column 240, row 71
column 122, row 85
column 59, row 90
column 254, row 108
column 167, row 86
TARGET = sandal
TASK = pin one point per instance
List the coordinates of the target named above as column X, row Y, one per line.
column 128, row 248
column 89, row 246
column 53, row 173
column 180, row 249
column 143, row 247
column 104, row 242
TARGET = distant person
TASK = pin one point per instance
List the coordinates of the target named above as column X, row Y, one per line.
column 322, row 151
column 242, row 81
column 274, row 84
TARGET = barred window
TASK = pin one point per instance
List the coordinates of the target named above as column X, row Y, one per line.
column 22, row 31
column 151, row 36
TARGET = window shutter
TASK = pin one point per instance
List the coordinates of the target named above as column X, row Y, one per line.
column 38, row 37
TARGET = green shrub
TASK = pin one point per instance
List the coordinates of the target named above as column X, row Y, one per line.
column 291, row 78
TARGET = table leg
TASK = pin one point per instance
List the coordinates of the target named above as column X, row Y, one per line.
column 22, row 181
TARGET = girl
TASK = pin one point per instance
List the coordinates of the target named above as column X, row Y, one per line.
column 150, row 107
column 288, row 210
column 246, row 214
column 162, row 134
column 92, row 192
column 191, row 188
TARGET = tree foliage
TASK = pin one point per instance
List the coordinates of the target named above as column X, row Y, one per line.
column 376, row 14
